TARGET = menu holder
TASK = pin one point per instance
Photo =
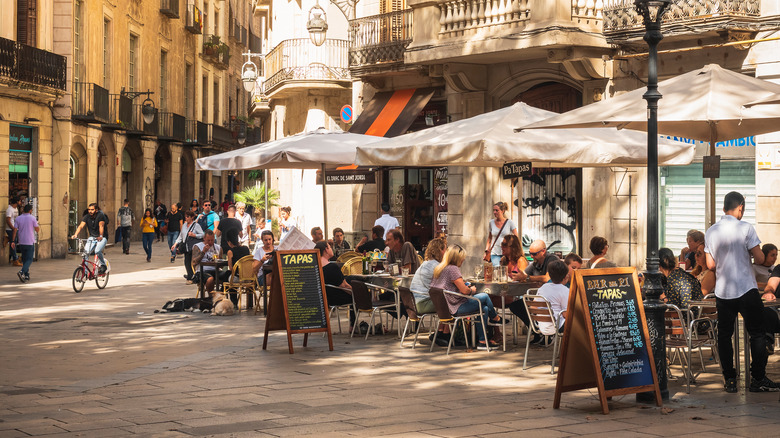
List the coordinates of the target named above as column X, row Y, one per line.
column 605, row 341
column 297, row 301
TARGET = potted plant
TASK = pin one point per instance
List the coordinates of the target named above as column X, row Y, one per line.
column 211, row 46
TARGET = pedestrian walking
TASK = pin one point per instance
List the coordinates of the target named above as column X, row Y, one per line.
column 387, row 221
column 148, row 225
column 191, row 233
column 11, row 213
column 125, row 218
column 26, row 227
column 160, row 212
column 728, row 246
column 175, row 219
column 499, row 227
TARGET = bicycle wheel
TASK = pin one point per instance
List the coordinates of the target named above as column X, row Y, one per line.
column 102, row 279
column 79, row 279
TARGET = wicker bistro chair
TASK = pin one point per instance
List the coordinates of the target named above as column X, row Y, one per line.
column 243, row 280
column 347, row 256
column 444, row 316
column 363, row 303
column 539, row 310
column 407, row 298
column 338, row 308
column 681, row 340
column 353, row 266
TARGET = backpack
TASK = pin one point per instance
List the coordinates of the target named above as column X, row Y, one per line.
column 203, row 221
column 125, row 217
column 187, row 304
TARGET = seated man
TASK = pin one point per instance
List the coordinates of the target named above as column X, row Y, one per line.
column 537, row 271
column 401, row 252
column 207, row 249
column 316, row 234
column 262, row 254
column 376, row 242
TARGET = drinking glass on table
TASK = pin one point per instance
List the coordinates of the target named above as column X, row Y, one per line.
column 405, row 271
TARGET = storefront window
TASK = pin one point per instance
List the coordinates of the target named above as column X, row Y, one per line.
column 19, row 156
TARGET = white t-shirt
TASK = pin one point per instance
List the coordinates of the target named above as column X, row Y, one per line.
column 246, row 221
column 558, row 296
column 762, row 272
column 216, row 249
column 508, row 228
column 13, row 213
column 259, row 253
column 387, row 222
column 729, row 242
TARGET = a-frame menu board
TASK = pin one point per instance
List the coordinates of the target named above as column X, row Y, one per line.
column 298, row 302
column 605, row 340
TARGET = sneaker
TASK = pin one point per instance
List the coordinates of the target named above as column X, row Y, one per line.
column 731, row 385
column 763, row 385
column 21, row 276
column 770, row 343
column 102, row 269
column 173, row 259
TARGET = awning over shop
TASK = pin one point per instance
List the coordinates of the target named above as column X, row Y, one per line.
column 391, row 113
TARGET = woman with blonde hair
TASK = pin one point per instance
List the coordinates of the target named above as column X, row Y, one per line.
column 447, row 276
column 499, row 227
column 421, row 281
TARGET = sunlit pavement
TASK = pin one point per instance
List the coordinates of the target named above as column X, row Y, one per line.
column 102, row 363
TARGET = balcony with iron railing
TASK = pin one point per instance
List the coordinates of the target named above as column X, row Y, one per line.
column 90, row 103
column 196, row 133
column 261, row 104
column 194, row 21
column 691, row 17
column 172, row 127
column 299, row 64
column 139, row 127
column 485, row 30
column 30, row 67
column 120, row 112
column 379, row 41
column 169, row 8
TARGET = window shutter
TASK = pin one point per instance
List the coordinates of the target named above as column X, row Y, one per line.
column 26, row 22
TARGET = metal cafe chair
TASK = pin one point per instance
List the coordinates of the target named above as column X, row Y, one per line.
column 412, row 315
column 446, row 317
column 539, row 310
column 365, row 304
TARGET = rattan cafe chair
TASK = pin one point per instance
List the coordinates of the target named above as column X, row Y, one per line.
column 243, row 280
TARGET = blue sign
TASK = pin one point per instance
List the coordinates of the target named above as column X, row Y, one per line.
column 20, row 138
column 346, row 114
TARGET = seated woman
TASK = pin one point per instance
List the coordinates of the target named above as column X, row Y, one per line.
column 681, row 287
column 234, row 254
column 447, row 276
column 599, row 247
column 332, row 275
column 705, row 275
column 421, row 282
column 764, row 270
column 513, row 258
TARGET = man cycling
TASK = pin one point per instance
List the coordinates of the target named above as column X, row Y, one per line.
column 96, row 222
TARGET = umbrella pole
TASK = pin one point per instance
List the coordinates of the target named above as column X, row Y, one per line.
column 324, row 203
column 709, row 187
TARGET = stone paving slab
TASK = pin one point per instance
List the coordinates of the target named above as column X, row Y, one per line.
column 102, row 364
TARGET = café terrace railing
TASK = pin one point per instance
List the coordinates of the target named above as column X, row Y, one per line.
column 621, row 20
column 300, row 60
column 23, row 63
column 380, row 39
column 465, row 17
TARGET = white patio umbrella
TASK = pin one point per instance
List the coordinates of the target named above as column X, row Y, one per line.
column 489, row 140
column 705, row 104
column 319, row 149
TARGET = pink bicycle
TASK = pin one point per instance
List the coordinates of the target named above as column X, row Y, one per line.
column 88, row 269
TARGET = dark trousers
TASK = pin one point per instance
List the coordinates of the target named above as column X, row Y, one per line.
column 147, row 240
column 11, row 250
column 752, row 310
column 126, row 238
column 518, row 309
column 27, row 252
column 188, row 264
column 338, row 297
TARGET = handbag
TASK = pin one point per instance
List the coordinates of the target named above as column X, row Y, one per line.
column 488, row 251
column 181, row 248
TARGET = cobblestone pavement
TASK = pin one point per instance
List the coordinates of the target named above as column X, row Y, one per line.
column 102, row 363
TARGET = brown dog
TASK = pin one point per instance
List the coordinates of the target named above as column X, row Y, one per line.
column 222, row 305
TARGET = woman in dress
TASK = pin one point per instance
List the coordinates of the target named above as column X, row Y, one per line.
column 500, row 226
column 599, row 247
column 681, row 287
column 287, row 222
column 148, row 224
column 447, row 276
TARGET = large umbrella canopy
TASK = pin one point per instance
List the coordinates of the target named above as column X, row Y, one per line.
column 310, row 150
column 489, row 140
column 705, row 104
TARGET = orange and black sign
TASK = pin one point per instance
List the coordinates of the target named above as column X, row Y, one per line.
column 390, row 114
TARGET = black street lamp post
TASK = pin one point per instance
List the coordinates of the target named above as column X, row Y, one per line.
column 652, row 12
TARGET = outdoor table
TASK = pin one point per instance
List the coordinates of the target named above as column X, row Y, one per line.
column 745, row 336
column 389, row 283
column 216, row 264
column 512, row 289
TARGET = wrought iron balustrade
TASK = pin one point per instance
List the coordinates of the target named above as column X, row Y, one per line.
column 139, row 127
column 31, row 65
column 380, row 38
column 466, row 17
column 300, row 59
column 194, row 20
column 621, row 20
column 172, row 127
column 120, row 112
column 90, row 103
column 196, row 133
column 220, row 136
column 169, row 8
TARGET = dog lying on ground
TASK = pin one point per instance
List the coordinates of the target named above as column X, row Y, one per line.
column 222, row 305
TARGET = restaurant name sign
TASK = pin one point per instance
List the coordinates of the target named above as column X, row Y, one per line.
column 347, row 177
column 20, row 138
column 516, row 170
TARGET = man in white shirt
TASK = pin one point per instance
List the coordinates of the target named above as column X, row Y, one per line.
column 207, row 250
column 728, row 247
column 386, row 221
column 246, row 223
column 11, row 213
column 263, row 254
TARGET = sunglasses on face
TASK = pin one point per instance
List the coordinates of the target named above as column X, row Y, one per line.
column 534, row 254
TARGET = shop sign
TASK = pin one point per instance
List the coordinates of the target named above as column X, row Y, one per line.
column 711, row 167
column 347, row 177
column 440, row 188
column 516, row 170
column 20, row 138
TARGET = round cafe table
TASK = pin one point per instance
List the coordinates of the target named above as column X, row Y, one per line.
column 510, row 290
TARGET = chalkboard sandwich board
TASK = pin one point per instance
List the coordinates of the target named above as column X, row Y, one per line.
column 605, row 341
column 298, row 302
